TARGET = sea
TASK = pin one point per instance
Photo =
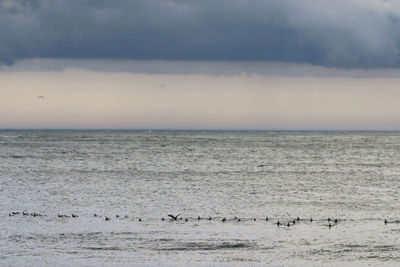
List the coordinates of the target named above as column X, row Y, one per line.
column 103, row 198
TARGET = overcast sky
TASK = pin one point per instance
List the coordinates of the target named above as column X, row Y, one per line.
column 226, row 64
column 337, row 33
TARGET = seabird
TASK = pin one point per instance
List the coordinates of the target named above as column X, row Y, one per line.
column 266, row 218
column 386, row 221
column 174, row 217
column 278, row 223
column 330, row 225
column 223, row 219
column 107, row 218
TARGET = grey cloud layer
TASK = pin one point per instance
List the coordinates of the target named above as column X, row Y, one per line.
column 337, row 33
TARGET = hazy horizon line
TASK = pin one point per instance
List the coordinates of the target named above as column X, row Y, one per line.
column 196, row 130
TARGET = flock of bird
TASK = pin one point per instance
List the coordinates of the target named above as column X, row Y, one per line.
column 278, row 222
column 178, row 217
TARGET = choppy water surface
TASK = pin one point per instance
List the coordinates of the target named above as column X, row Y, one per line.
column 353, row 177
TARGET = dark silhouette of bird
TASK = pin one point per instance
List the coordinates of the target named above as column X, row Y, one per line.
column 198, row 218
column 174, row 217
column 223, row 219
column 330, row 226
column 266, row 218
column 107, row 218
column 386, row 221
column 162, row 219
column 278, row 223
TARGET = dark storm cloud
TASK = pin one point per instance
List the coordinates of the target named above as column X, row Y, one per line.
column 339, row 33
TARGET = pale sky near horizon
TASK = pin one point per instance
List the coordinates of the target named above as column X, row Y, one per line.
column 87, row 99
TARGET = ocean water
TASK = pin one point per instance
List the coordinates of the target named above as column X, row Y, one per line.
column 349, row 176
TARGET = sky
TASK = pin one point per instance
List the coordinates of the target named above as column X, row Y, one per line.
column 200, row 64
